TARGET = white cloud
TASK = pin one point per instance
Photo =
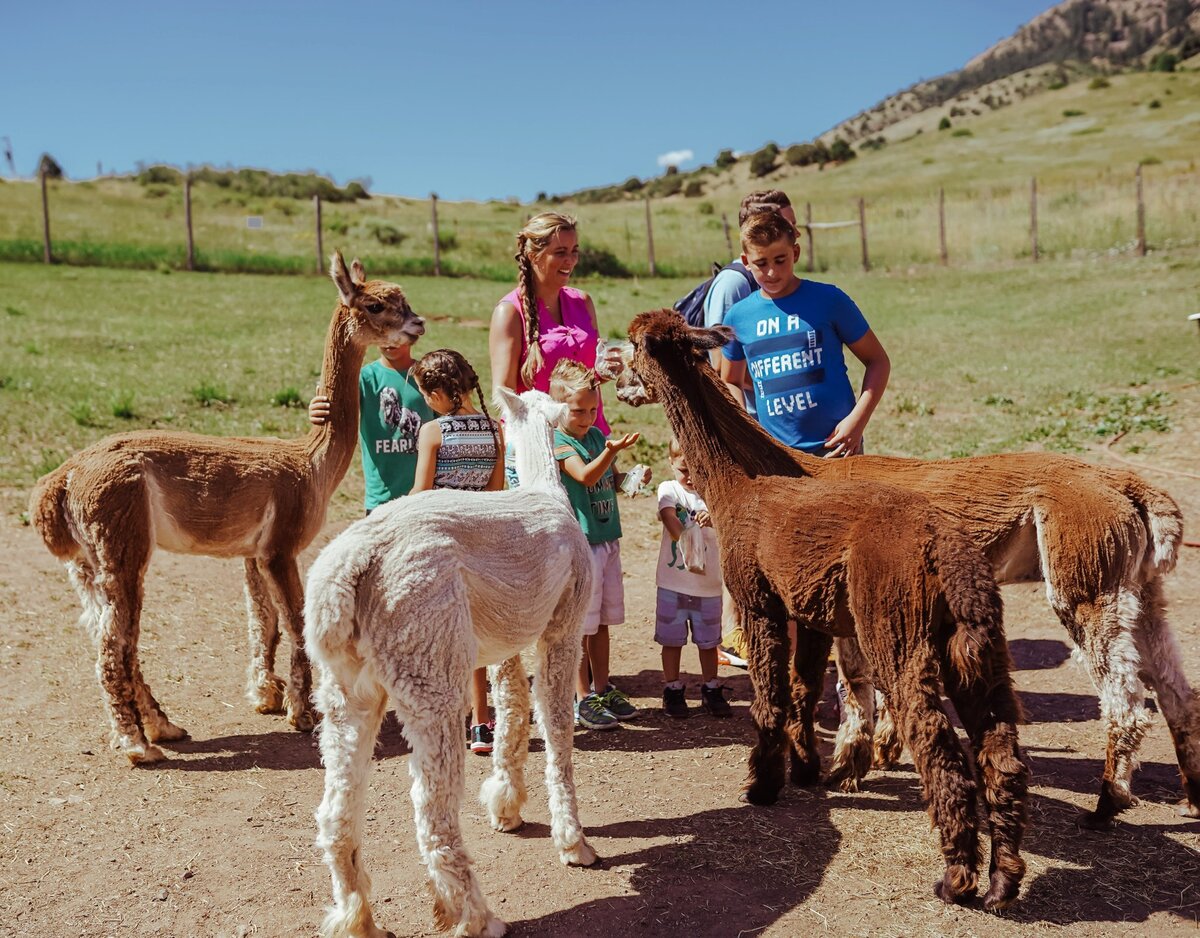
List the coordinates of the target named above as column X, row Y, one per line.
column 676, row 158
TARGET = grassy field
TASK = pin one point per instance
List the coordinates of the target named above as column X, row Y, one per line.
column 1082, row 143
column 1062, row 354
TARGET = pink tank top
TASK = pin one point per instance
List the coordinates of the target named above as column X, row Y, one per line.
column 575, row 339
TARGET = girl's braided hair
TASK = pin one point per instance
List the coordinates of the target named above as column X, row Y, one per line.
column 448, row 371
column 531, row 241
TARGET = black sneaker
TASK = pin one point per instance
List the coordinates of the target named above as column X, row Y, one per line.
column 713, row 700
column 481, row 738
column 674, row 703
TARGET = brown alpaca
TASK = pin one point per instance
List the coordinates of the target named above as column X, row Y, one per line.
column 850, row 559
column 105, row 509
column 1101, row 539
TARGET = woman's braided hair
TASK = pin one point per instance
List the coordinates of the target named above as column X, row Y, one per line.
column 448, row 371
column 531, row 241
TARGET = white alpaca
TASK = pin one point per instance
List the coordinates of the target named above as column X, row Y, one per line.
column 404, row 604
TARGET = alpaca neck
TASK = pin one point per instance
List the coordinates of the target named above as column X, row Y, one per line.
column 725, row 446
column 533, row 446
column 331, row 445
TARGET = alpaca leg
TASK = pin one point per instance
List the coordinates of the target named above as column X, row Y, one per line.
column 283, row 581
column 353, row 710
column 767, row 645
column 503, row 792
column 553, row 688
column 264, row 688
column 1105, row 639
column 942, row 765
column 810, row 656
column 436, row 766
column 116, row 665
column 852, row 748
column 1180, row 704
column 154, row 721
column 887, row 740
column 990, row 713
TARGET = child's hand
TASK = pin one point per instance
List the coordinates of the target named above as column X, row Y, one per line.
column 646, row 476
column 704, row 519
column 621, row 442
column 318, row 409
column 845, row 440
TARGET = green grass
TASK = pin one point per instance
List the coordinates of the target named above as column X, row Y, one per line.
column 1062, row 354
column 985, row 174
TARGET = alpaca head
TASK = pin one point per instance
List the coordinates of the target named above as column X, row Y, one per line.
column 657, row 334
column 529, row 421
column 378, row 311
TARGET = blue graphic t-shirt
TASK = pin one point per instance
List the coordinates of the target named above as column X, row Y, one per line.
column 792, row 347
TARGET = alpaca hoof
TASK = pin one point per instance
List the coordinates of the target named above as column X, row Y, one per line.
column 1001, row 893
column 581, row 854
column 1187, row 809
column 169, row 733
column 268, row 697
column 145, row 755
column 508, row 823
column 759, row 795
column 493, row 929
column 886, row 757
column 943, row 891
column 842, row 779
column 302, row 720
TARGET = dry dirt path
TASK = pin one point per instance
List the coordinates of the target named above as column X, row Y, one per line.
column 218, row 841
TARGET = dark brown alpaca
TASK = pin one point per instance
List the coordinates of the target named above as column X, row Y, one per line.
column 850, row 559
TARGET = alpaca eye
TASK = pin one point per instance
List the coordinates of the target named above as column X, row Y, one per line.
column 374, row 308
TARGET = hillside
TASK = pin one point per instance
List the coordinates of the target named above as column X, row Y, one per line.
column 1097, row 34
column 1082, row 141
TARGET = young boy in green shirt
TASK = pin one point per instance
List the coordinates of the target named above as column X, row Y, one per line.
column 586, row 460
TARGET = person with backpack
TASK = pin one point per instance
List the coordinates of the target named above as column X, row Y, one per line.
column 710, row 301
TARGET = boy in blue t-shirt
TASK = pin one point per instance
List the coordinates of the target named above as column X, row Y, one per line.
column 788, row 337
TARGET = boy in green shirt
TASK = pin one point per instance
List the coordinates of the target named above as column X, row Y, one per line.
column 390, row 413
column 587, row 460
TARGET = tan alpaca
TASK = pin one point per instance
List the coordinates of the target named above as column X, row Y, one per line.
column 105, row 510
column 1101, row 539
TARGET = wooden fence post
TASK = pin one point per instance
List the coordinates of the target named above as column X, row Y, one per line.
column 187, row 219
column 808, row 227
column 320, row 247
column 942, row 225
column 437, row 247
column 862, row 230
column 728, row 240
column 47, row 256
column 1141, row 216
column 650, row 239
column 1033, row 232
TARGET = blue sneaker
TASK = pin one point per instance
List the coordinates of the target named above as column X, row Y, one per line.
column 591, row 713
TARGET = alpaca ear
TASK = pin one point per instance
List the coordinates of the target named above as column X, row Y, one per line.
column 711, row 338
column 347, row 289
column 357, row 274
column 505, row 399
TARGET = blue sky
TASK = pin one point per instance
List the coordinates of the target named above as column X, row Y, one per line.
column 465, row 98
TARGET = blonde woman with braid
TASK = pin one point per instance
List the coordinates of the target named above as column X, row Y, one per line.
column 461, row 449
column 543, row 320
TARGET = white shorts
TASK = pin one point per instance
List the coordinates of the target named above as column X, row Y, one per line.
column 608, row 590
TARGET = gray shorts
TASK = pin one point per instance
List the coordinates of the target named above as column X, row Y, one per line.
column 676, row 610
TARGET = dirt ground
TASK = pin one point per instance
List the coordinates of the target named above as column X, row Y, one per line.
column 218, row 841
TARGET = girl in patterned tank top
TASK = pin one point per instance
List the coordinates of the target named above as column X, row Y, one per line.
column 460, row 450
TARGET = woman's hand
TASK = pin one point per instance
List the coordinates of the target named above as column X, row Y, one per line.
column 704, row 519
column 318, row 409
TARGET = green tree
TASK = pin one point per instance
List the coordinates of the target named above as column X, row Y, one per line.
column 763, row 161
column 49, row 167
column 944, row 123
column 725, row 159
